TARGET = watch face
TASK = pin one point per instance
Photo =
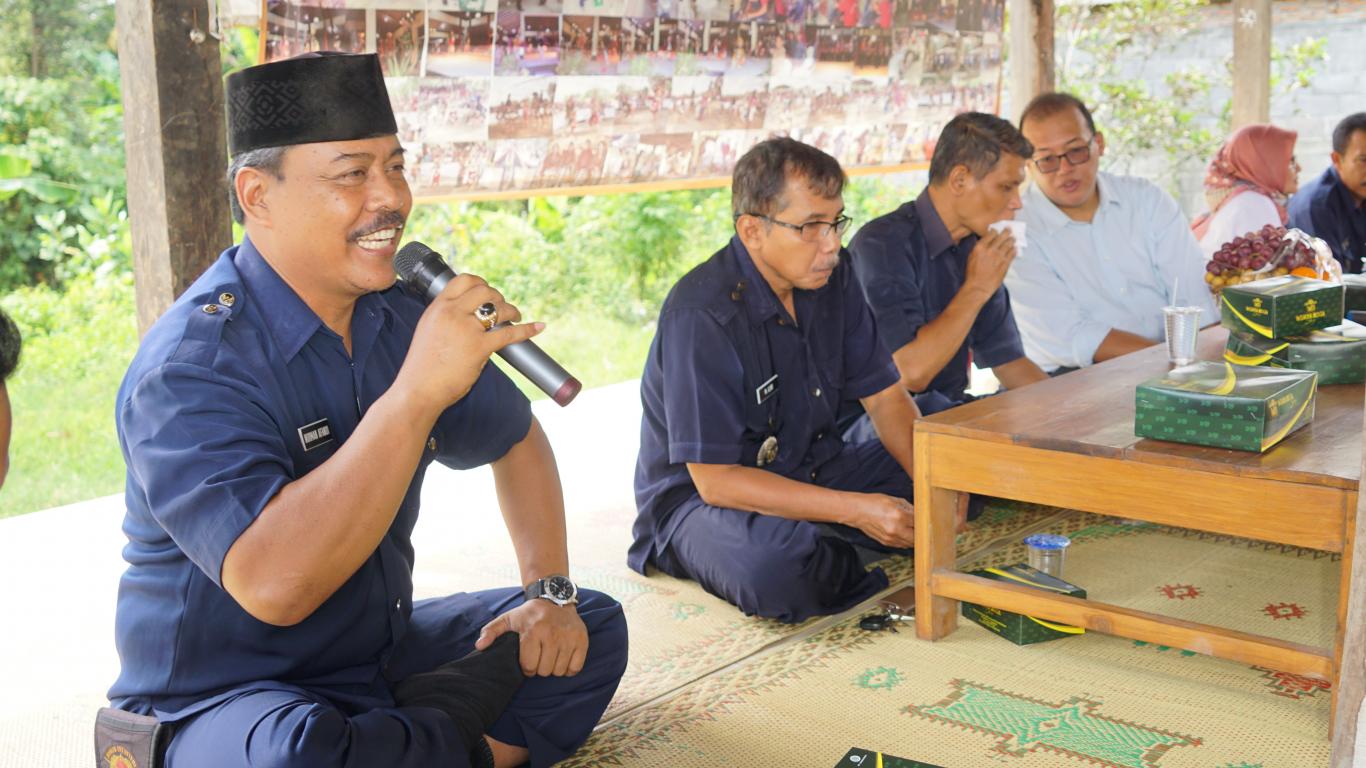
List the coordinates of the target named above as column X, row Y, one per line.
column 560, row 588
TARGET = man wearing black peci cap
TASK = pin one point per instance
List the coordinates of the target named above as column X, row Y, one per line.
column 277, row 423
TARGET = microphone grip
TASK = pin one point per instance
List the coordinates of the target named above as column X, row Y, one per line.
column 542, row 370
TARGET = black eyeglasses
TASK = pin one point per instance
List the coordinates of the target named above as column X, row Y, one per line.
column 1075, row 156
column 811, row 231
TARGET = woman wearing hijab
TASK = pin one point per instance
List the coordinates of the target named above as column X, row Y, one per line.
column 1247, row 185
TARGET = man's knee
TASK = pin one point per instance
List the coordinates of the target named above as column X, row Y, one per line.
column 607, row 636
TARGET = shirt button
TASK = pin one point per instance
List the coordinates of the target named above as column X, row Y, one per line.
column 226, row 299
column 813, row 475
column 398, row 604
column 431, row 443
column 210, row 309
column 816, row 392
column 782, row 321
column 819, row 435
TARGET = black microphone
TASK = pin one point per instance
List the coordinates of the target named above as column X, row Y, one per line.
column 425, row 274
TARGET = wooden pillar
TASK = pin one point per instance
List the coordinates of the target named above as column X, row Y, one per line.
column 1031, row 52
column 1251, row 62
column 1350, row 643
column 176, row 147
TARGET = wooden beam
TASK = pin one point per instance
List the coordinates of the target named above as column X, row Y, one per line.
column 1031, row 52
column 176, row 146
column 1251, row 62
column 1351, row 642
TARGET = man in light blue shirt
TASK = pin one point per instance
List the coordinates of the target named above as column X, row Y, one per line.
column 1105, row 252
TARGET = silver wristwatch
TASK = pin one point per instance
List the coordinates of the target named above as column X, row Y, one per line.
column 555, row 588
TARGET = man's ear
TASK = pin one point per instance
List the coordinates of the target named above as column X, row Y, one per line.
column 751, row 231
column 252, row 186
column 1100, row 144
column 960, row 180
column 1337, row 162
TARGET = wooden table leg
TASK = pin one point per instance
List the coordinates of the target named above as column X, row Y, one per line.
column 935, row 523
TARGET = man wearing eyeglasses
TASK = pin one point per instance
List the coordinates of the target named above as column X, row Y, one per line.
column 1106, row 252
column 932, row 269
column 743, row 482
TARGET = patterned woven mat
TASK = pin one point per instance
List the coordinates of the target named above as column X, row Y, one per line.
column 974, row 699
column 679, row 633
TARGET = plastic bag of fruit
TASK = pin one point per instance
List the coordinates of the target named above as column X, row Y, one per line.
column 1271, row 252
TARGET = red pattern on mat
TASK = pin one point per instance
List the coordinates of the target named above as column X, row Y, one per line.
column 1293, row 686
column 1284, row 611
column 1179, row 591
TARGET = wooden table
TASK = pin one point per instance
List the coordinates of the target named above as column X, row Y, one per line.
column 1069, row 442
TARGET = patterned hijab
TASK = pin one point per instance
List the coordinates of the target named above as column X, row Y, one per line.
column 1255, row 158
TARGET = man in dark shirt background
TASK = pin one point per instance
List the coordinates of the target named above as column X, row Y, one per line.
column 932, row 269
column 1331, row 206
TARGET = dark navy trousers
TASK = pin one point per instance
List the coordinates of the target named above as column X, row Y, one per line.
column 789, row 570
column 276, row 724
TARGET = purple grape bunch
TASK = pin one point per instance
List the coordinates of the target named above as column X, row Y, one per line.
column 1248, row 257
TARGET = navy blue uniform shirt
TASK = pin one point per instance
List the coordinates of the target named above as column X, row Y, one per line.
column 910, row 269
column 1325, row 209
column 214, row 417
column 722, row 336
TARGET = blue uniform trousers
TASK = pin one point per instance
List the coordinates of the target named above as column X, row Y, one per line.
column 275, row 724
column 788, row 570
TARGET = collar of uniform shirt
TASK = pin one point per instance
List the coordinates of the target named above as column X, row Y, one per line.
column 758, row 294
column 290, row 321
column 938, row 241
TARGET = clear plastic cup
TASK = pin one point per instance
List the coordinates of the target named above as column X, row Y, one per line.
column 1046, row 552
column 1183, row 325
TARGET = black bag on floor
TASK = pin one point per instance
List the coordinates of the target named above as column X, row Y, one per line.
column 126, row 740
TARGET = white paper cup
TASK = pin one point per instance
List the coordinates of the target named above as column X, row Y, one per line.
column 1017, row 228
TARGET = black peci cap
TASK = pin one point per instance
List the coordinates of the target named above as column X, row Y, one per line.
column 323, row 96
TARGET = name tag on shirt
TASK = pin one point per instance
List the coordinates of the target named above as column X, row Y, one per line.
column 315, row 434
column 765, row 391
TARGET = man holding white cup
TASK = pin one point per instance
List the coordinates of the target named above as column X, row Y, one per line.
column 932, row 270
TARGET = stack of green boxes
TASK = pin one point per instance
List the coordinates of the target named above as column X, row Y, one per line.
column 1337, row 353
column 1355, row 299
column 1281, row 307
column 1224, row 405
column 1294, row 322
column 1018, row 628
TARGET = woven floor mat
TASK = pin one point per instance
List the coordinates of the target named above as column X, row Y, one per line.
column 974, row 699
column 679, row 633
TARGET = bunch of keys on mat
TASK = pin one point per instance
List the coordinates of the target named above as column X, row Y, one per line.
column 890, row 614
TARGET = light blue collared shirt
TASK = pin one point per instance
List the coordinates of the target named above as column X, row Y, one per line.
column 1075, row 281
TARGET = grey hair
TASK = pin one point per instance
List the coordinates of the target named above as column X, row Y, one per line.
column 761, row 175
column 976, row 140
column 267, row 159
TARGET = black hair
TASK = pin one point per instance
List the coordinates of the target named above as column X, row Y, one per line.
column 10, row 341
column 761, row 175
column 1049, row 104
column 975, row 140
column 1342, row 134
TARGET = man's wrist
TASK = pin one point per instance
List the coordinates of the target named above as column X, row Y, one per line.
column 555, row 588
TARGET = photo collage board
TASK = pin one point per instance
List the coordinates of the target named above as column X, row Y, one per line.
column 522, row 96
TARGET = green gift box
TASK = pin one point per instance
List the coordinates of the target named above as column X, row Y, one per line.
column 1280, row 307
column 870, row 758
column 1224, row 405
column 1015, row 627
column 1355, row 297
column 1338, row 354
